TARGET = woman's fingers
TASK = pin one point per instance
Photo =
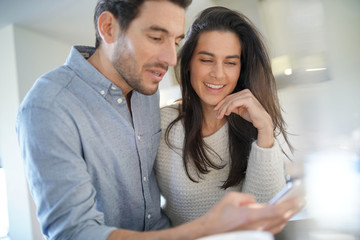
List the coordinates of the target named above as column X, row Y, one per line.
column 244, row 104
column 236, row 103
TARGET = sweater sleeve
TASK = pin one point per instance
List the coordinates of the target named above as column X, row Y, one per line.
column 265, row 174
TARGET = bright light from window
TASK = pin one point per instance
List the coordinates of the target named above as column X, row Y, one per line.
column 170, row 101
column 315, row 69
column 4, row 218
column 288, row 71
column 333, row 183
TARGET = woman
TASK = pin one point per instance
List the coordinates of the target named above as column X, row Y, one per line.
column 220, row 136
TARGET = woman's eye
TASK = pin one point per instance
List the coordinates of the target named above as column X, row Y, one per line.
column 206, row 60
column 231, row 63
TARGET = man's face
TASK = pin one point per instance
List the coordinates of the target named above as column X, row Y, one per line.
column 143, row 53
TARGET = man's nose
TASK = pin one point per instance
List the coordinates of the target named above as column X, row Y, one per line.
column 169, row 55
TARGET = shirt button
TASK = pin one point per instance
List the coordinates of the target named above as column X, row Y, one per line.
column 149, row 216
column 145, row 179
column 139, row 137
column 113, row 88
column 102, row 92
column 119, row 100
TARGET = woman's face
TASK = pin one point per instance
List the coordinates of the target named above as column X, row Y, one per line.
column 215, row 66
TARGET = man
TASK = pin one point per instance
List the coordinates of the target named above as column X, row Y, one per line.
column 89, row 132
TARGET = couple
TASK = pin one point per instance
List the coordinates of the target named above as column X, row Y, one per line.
column 90, row 130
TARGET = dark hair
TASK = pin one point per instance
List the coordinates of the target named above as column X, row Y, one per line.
column 255, row 75
column 125, row 11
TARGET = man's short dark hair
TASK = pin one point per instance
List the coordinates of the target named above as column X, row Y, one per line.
column 125, row 11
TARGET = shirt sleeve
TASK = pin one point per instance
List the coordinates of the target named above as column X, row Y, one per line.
column 265, row 174
column 57, row 175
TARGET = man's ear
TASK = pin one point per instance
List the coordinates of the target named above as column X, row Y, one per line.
column 107, row 27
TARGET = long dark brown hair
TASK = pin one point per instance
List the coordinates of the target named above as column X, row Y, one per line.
column 255, row 75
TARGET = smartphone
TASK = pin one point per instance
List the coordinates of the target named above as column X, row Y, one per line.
column 291, row 189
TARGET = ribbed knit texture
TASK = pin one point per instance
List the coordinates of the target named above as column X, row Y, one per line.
column 187, row 200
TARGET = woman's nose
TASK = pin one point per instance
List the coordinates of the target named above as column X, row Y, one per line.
column 217, row 71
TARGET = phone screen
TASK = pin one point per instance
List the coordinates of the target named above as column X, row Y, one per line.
column 291, row 189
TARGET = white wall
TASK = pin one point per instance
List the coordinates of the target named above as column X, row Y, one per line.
column 25, row 55
column 18, row 198
column 327, row 114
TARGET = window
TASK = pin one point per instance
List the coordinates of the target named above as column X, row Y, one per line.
column 4, row 218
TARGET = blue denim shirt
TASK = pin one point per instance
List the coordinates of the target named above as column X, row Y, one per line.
column 88, row 161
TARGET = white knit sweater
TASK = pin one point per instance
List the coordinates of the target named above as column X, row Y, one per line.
column 187, row 200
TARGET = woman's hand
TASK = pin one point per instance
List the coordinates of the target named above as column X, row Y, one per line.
column 244, row 104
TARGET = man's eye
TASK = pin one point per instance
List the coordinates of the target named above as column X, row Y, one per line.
column 157, row 39
column 231, row 63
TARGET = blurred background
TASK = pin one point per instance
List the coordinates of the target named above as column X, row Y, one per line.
column 314, row 47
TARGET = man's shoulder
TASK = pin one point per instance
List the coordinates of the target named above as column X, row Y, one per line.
column 60, row 74
column 47, row 87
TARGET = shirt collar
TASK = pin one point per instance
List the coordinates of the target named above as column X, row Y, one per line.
column 77, row 61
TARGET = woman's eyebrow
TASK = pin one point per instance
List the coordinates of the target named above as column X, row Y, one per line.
column 213, row 55
column 206, row 53
column 233, row 56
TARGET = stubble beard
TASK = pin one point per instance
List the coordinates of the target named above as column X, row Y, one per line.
column 125, row 64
